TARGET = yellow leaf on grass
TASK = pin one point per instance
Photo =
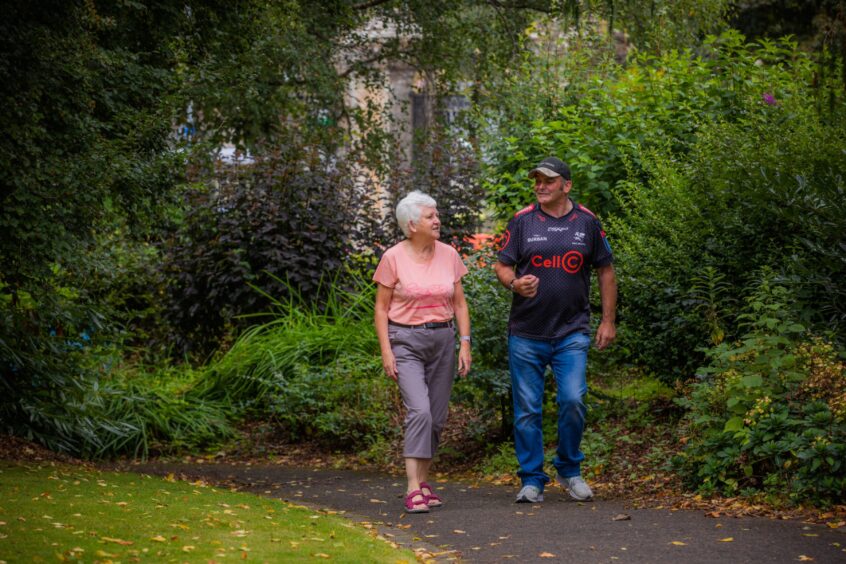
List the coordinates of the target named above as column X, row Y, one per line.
column 546, row 555
column 187, row 548
column 104, row 554
column 158, row 538
column 321, row 555
column 240, row 533
column 679, row 543
column 727, row 539
column 170, row 478
column 117, row 541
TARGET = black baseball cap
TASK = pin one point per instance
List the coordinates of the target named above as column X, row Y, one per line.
column 551, row 167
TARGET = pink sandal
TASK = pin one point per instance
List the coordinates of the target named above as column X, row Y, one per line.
column 415, row 507
column 432, row 499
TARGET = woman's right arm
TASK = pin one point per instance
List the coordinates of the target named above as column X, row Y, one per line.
column 380, row 320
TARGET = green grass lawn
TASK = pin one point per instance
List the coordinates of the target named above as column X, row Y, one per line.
column 51, row 513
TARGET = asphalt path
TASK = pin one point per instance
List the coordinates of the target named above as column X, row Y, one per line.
column 481, row 523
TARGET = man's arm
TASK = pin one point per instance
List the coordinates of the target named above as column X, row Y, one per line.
column 607, row 330
column 526, row 286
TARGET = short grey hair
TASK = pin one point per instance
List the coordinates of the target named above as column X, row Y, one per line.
column 409, row 208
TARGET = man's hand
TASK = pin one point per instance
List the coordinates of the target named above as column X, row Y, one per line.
column 527, row 286
column 605, row 334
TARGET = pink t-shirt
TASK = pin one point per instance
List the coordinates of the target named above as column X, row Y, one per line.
column 422, row 292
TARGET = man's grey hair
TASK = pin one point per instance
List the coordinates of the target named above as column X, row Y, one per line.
column 409, row 209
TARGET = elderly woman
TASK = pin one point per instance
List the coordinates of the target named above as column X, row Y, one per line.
column 418, row 294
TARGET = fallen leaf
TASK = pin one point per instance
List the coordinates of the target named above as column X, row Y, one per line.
column 117, row 541
column 187, row 548
column 546, row 555
column 158, row 538
column 679, row 543
column 104, row 554
column 836, row 525
column 377, row 501
column 458, row 531
column 621, row 517
column 239, row 533
column 321, row 555
column 727, row 539
column 803, row 558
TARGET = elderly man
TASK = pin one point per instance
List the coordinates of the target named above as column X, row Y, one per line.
column 549, row 251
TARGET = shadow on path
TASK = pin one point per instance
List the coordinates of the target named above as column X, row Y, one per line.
column 483, row 524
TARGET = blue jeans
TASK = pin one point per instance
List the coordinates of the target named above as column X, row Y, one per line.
column 528, row 359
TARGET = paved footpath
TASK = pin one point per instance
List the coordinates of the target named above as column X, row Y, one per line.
column 483, row 524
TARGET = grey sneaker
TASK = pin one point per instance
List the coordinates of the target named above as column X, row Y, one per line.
column 578, row 488
column 530, row 494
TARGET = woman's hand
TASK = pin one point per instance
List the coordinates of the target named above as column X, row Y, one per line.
column 465, row 359
column 389, row 364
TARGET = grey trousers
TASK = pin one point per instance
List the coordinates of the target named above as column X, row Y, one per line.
column 426, row 365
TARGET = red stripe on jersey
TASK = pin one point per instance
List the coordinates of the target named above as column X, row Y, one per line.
column 525, row 210
column 587, row 211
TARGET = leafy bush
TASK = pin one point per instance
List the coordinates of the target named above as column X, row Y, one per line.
column 447, row 169
column 283, row 223
column 769, row 414
column 606, row 119
column 682, row 237
column 346, row 404
column 488, row 388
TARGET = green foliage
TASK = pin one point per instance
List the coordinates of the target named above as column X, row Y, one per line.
column 488, row 388
column 258, row 233
column 682, row 235
column 314, row 372
column 602, row 122
column 769, row 413
column 448, row 170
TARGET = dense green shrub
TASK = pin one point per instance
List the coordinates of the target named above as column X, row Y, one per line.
column 488, row 388
column 348, row 404
column 689, row 237
column 448, row 170
column 605, row 119
column 769, row 414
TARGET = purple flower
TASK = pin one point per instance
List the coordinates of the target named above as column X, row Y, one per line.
column 769, row 99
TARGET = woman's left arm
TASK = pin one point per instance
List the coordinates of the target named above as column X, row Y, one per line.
column 462, row 317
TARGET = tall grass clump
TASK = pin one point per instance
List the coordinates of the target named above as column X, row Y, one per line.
column 312, row 369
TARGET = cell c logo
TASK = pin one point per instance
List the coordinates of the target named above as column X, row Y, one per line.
column 572, row 262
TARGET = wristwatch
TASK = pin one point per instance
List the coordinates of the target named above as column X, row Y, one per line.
column 464, row 338
column 511, row 284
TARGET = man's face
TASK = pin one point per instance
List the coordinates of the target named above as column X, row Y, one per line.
column 551, row 190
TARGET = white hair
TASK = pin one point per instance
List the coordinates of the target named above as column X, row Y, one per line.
column 409, row 209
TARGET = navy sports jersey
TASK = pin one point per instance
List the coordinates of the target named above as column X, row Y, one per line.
column 560, row 252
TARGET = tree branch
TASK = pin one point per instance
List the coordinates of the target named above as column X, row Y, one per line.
column 371, row 4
